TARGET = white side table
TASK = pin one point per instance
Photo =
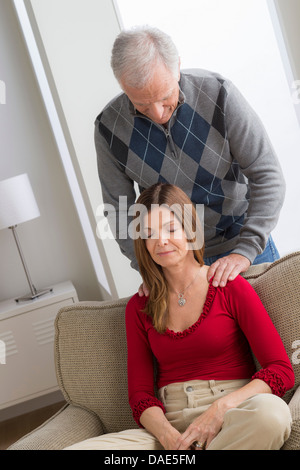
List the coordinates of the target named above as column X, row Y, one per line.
column 27, row 334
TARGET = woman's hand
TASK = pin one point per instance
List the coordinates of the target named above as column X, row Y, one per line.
column 170, row 438
column 153, row 419
column 203, row 429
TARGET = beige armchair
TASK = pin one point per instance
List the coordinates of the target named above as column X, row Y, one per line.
column 90, row 358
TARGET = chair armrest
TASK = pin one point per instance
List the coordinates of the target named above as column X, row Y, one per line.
column 293, row 443
column 70, row 425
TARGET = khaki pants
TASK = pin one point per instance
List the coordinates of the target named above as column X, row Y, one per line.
column 263, row 422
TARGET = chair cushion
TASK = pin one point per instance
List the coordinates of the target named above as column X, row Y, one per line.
column 90, row 351
column 278, row 286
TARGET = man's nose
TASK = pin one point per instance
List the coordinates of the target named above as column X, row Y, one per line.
column 157, row 111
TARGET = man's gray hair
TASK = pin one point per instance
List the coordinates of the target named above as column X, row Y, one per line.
column 136, row 52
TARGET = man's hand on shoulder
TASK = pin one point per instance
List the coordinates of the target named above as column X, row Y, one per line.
column 143, row 290
column 227, row 269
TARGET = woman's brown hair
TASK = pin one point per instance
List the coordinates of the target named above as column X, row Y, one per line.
column 172, row 197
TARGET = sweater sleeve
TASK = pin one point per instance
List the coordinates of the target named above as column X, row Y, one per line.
column 115, row 182
column 264, row 340
column 251, row 148
column 140, row 367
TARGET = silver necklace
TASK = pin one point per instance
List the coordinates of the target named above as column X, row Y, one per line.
column 180, row 295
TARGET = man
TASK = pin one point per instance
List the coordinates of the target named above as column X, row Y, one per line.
column 195, row 130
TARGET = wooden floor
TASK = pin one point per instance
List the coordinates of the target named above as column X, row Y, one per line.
column 15, row 428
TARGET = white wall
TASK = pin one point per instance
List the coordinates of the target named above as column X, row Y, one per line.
column 76, row 38
column 53, row 244
column 289, row 17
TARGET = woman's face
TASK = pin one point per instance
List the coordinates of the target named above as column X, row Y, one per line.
column 166, row 241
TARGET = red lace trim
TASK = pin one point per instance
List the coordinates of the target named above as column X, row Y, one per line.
column 273, row 380
column 143, row 405
column 206, row 308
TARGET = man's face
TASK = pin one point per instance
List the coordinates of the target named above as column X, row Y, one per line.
column 159, row 98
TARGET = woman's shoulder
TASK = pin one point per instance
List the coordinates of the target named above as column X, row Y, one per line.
column 238, row 284
column 137, row 301
column 136, row 305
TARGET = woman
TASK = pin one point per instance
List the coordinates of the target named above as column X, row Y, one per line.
column 209, row 393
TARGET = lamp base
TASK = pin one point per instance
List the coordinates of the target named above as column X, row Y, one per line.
column 34, row 296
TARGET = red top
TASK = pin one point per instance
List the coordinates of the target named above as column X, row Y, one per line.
column 216, row 347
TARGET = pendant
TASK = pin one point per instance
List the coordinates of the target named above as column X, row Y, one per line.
column 181, row 300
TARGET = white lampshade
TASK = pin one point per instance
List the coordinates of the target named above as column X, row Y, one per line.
column 17, row 201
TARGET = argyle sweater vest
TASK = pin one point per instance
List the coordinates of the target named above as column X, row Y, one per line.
column 214, row 148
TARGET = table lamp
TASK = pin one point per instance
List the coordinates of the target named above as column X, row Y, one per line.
column 18, row 205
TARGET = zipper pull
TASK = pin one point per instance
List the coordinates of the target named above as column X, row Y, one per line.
column 171, row 144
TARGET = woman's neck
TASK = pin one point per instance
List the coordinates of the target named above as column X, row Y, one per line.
column 180, row 276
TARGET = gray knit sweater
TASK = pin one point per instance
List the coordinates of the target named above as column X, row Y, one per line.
column 215, row 149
